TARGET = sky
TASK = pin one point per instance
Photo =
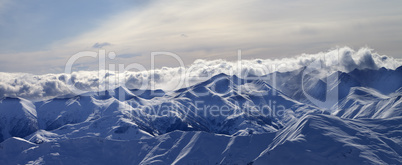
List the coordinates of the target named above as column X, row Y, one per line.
column 41, row 36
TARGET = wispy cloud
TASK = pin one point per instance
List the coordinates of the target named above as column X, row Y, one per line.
column 101, row 45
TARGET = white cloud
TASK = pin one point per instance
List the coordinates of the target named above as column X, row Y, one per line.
column 51, row 85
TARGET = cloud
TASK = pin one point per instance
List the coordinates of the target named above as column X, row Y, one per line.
column 52, row 85
column 101, row 45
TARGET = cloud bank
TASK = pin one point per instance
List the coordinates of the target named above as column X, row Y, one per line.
column 55, row 85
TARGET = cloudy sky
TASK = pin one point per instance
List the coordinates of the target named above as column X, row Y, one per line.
column 40, row 36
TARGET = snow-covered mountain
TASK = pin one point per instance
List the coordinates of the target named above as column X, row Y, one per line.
column 368, row 103
column 224, row 120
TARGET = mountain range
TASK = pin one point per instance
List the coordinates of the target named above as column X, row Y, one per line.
column 270, row 119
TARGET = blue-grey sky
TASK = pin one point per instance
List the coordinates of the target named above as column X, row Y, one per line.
column 40, row 36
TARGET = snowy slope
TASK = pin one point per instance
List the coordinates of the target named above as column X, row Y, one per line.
column 317, row 139
column 369, row 103
column 17, row 118
column 177, row 147
column 322, row 139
